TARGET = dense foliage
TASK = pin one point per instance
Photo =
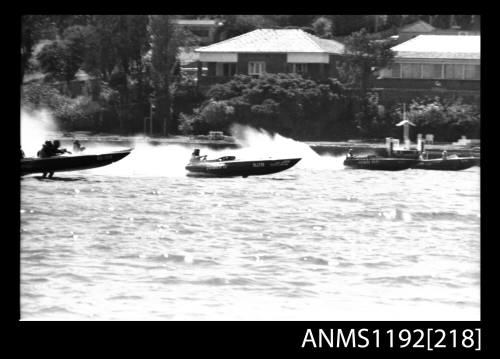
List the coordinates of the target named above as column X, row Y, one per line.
column 447, row 119
column 284, row 103
column 308, row 110
column 69, row 113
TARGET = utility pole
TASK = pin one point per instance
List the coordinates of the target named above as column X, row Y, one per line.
column 151, row 113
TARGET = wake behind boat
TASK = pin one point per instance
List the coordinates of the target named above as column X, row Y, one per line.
column 229, row 166
column 65, row 163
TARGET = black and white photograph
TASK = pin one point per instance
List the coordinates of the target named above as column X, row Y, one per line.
column 250, row 168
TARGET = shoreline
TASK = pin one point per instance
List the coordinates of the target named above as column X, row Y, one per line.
column 320, row 147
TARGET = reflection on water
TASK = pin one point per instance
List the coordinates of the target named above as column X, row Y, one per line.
column 140, row 240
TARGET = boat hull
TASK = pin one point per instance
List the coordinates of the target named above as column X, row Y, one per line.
column 380, row 163
column 450, row 164
column 70, row 163
column 215, row 168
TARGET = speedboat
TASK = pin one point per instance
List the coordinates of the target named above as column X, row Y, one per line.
column 380, row 163
column 63, row 163
column 448, row 164
column 229, row 166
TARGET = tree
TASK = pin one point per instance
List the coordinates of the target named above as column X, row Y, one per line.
column 52, row 59
column 301, row 20
column 344, row 25
column 323, row 27
column 63, row 57
column 234, row 25
column 114, row 48
column 363, row 54
column 394, row 20
column 442, row 21
column 33, row 29
column 165, row 42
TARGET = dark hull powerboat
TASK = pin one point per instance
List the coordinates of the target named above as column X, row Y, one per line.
column 228, row 166
column 448, row 164
column 380, row 163
column 32, row 165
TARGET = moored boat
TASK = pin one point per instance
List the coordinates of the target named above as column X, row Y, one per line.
column 448, row 164
column 31, row 165
column 380, row 163
column 229, row 166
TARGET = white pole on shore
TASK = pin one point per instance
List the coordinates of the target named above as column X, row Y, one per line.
column 406, row 129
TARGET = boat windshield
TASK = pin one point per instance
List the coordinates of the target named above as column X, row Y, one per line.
column 227, row 158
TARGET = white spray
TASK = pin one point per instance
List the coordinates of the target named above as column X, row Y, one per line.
column 170, row 160
column 36, row 128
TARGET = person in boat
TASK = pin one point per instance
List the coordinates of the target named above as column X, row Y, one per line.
column 195, row 156
column 350, row 154
column 423, row 156
column 77, row 147
column 58, row 150
column 47, row 150
column 445, row 155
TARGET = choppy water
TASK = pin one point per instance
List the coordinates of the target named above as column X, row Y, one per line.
column 140, row 240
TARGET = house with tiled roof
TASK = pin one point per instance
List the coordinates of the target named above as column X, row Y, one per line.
column 421, row 27
column 435, row 62
column 269, row 51
column 413, row 30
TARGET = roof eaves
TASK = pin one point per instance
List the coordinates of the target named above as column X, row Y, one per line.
column 311, row 38
column 217, row 44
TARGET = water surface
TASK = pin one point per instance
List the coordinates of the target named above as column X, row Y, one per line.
column 140, row 240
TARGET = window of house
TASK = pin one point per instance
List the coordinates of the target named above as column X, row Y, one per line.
column 454, row 71
column 395, row 71
column 256, row 67
column 472, row 72
column 411, row 71
column 225, row 68
column 432, row 71
column 299, row 68
column 229, row 69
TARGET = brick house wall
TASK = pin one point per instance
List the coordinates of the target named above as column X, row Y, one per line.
column 275, row 63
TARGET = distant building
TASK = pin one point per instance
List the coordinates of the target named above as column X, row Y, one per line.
column 434, row 62
column 421, row 27
column 413, row 30
column 205, row 30
column 269, row 51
